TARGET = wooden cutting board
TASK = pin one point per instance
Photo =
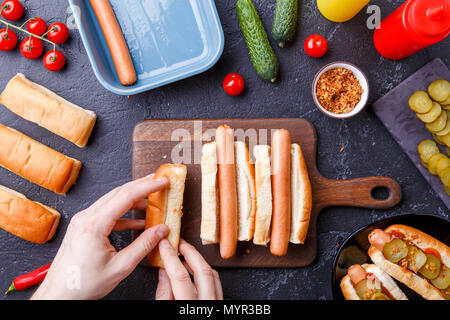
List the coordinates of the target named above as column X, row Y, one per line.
column 158, row 141
column 403, row 124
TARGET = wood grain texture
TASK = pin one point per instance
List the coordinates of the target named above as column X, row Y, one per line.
column 156, row 142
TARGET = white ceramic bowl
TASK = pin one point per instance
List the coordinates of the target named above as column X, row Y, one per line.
column 362, row 81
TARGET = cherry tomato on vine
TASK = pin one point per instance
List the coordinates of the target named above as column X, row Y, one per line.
column 37, row 26
column 316, row 46
column 12, row 10
column 31, row 48
column 8, row 40
column 233, row 84
column 54, row 60
column 58, row 32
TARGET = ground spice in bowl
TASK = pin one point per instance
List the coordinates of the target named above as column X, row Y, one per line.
column 338, row 90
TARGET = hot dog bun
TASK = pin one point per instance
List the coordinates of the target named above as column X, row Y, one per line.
column 349, row 291
column 245, row 177
column 37, row 104
column 281, row 192
column 404, row 275
column 209, row 229
column 36, row 162
column 228, row 207
column 27, row 219
column 115, row 41
column 164, row 207
column 301, row 196
column 263, row 181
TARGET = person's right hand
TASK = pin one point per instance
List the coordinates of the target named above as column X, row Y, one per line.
column 175, row 280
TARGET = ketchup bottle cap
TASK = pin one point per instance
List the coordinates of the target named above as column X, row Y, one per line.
column 430, row 17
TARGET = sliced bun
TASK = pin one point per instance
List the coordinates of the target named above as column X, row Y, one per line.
column 209, row 229
column 301, row 196
column 245, row 179
column 263, row 217
column 37, row 104
column 164, row 207
column 27, row 219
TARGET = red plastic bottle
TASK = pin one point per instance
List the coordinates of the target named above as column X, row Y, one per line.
column 414, row 26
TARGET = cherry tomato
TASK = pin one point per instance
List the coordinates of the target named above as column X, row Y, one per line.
column 58, row 32
column 54, row 60
column 37, row 26
column 8, row 40
column 31, row 47
column 316, row 46
column 12, row 10
column 233, row 84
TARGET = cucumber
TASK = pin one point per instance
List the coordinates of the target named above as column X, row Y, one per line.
column 285, row 21
column 261, row 53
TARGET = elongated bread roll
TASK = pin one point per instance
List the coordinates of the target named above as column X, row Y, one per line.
column 227, row 191
column 36, row 162
column 301, row 196
column 27, row 219
column 164, row 207
column 37, row 104
column 263, row 181
column 245, row 179
column 209, row 229
column 281, row 192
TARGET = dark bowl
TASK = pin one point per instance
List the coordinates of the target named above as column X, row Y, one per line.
column 354, row 249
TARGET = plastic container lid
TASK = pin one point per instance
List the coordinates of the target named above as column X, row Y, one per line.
column 430, row 18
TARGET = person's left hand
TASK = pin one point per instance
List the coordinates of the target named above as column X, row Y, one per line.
column 87, row 266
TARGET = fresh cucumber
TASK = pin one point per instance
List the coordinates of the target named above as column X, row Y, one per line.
column 261, row 53
column 285, row 21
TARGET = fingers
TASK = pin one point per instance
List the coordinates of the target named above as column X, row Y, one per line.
column 129, row 224
column 180, row 281
column 141, row 205
column 163, row 290
column 204, row 276
column 218, row 286
column 126, row 260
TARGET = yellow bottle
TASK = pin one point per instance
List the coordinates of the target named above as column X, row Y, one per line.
column 340, row 10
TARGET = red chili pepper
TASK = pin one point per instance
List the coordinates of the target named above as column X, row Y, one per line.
column 29, row 280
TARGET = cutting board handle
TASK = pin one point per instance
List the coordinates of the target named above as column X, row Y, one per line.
column 358, row 192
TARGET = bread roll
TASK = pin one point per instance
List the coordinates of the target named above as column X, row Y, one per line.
column 245, row 179
column 36, row 162
column 27, row 219
column 37, row 104
column 301, row 196
column 209, row 229
column 164, row 207
column 263, row 216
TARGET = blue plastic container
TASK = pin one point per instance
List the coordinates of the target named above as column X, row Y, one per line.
column 168, row 40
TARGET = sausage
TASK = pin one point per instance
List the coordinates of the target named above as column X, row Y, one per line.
column 356, row 273
column 281, row 192
column 228, row 211
column 115, row 41
column 378, row 238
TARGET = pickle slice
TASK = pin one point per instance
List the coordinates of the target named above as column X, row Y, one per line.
column 433, row 163
column 448, row 151
column 395, row 250
column 424, row 164
column 365, row 289
column 431, row 115
column 445, row 177
column 445, row 139
column 447, row 107
column 442, row 165
column 443, row 280
column 427, row 149
column 379, row 296
column 432, row 267
column 438, row 140
column 416, row 258
column 438, row 124
column 439, row 90
column 420, row 102
column 446, row 103
column 446, row 293
column 446, row 129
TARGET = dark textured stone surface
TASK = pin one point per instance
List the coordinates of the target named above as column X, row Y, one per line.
column 368, row 147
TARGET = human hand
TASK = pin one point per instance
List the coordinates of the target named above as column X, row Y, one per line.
column 87, row 266
column 175, row 281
